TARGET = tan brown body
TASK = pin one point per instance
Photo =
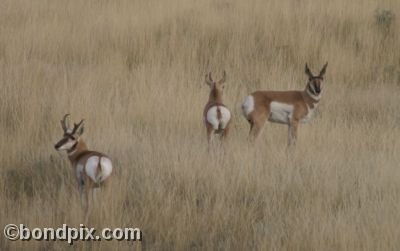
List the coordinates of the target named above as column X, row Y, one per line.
column 285, row 107
column 216, row 115
column 79, row 157
column 91, row 168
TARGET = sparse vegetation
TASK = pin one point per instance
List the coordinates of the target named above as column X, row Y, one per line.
column 135, row 71
column 384, row 19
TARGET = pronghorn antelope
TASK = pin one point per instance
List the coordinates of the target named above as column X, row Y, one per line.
column 216, row 115
column 285, row 107
column 91, row 168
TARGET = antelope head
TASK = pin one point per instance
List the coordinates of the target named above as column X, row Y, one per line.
column 70, row 136
column 216, row 85
column 314, row 85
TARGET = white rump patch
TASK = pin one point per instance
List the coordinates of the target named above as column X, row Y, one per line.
column 280, row 112
column 92, row 165
column 212, row 117
column 248, row 105
column 106, row 168
column 225, row 116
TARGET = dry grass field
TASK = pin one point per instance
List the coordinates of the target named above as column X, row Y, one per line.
column 135, row 71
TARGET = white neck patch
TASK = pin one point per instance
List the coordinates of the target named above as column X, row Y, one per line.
column 315, row 97
column 72, row 153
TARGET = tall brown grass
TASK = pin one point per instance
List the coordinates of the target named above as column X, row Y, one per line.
column 135, row 71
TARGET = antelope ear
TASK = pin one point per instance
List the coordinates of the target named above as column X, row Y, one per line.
column 322, row 72
column 223, row 79
column 65, row 123
column 308, row 72
column 208, row 79
column 80, row 130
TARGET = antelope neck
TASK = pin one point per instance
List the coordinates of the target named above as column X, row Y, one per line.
column 312, row 99
column 215, row 96
column 73, row 148
column 76, row 150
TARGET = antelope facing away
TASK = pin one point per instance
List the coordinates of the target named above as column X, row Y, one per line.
column 216, row 115
column 285, row 107
column 91, row 168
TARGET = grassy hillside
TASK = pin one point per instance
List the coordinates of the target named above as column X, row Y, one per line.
column 135, row 71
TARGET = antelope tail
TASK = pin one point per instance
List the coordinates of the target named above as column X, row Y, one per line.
column 219, row 117
column 99, row 172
